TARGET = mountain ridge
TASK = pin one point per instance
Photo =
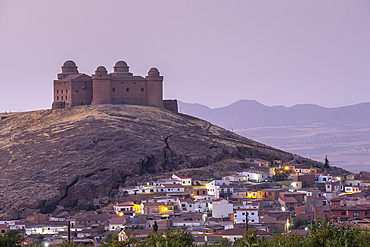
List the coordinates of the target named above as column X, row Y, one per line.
column 310, row 130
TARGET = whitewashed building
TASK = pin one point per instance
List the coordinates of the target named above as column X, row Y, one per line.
column 221, row 208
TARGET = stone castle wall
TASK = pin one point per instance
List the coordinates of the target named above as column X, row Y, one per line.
column 119, row 87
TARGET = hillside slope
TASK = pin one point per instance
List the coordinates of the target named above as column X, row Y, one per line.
column 70, row 156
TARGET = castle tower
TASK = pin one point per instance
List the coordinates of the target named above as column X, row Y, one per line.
column 101, row 87
column 154, row 85
column 121, row 69
column 69, row 68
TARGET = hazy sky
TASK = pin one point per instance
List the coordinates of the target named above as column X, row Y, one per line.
column 210, row 52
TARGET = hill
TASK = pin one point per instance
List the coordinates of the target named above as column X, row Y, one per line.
column 313, row 131
column 71, row 156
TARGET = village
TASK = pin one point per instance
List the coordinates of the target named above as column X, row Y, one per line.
column 268, row 197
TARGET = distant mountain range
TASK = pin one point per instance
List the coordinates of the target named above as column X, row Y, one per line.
column 342, row 133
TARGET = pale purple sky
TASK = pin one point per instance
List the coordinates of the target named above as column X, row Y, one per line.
column 210, row 52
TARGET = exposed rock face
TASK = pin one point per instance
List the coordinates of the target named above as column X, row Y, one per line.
column 70, row 156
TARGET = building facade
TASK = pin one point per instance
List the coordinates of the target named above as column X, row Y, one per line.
column 119, row 87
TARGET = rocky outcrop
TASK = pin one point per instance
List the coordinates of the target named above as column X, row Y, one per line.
column 71, row 156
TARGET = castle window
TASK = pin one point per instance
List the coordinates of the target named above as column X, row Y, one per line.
column 66, row 97
column 57, row 91
column 142, row 89
column 85, row 82
column 114, row 89
column 57, row 97
column 127, row 89
column 66, row 90
column 62, row 97
column 61, row 91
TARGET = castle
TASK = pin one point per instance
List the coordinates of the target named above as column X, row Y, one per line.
column 120, row 87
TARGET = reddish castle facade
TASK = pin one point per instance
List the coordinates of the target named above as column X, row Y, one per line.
column 120, row 87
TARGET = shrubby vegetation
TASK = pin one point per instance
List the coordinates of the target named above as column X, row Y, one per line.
column 46, row 207
column 11, row 239
column 323, row 234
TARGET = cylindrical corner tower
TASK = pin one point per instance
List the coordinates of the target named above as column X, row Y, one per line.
column 102, row 87
column 154, row 88
column 69, row 68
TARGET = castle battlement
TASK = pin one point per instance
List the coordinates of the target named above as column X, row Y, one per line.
column 119, row 87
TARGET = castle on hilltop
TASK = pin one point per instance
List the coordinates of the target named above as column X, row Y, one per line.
column 120, row 87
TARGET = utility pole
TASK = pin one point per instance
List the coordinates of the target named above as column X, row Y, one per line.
column 246, row 221
column 69, row 232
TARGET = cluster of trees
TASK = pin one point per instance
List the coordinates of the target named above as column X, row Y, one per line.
column 166, row 238
column 46, row 207
column 11, row 239
column 323, row 233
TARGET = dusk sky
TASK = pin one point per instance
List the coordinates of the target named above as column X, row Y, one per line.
column 209, row 52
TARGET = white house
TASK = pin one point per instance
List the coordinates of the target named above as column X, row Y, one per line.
column 254, row 175
column 117, row 223
column 124, row 206
column 213, row 187
column 221, row 208
column 235, row 178
column 172, row 188
column 185, row 181
column 240, row 215
column 132, row 190
column 187, row 205
column 351, row 189
column 322, row 178
column 203, row 205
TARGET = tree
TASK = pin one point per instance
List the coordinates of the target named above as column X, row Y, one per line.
column 11, row 238
column 298, row 223
column 155, row 226
column 249, row 239
column 90, row 206
column 326, row 164
column 46, row 207
column 169, row 238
